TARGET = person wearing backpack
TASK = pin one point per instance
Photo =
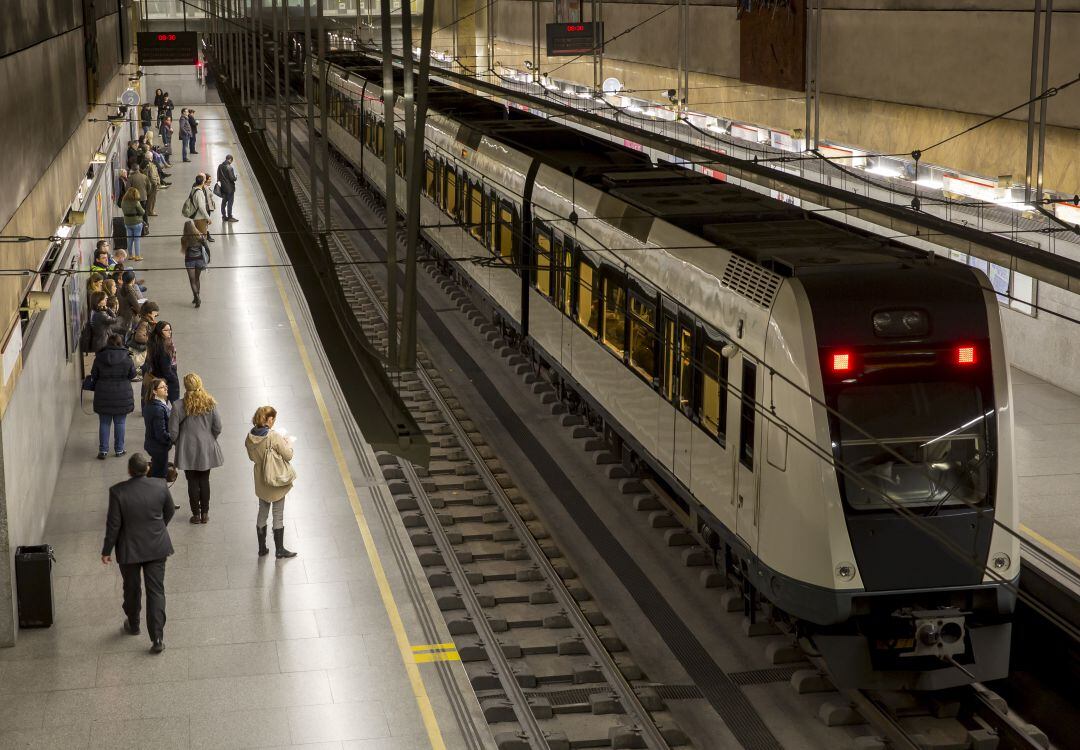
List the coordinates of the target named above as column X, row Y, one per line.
column 274, row 477
column 140, row 334
column 195, row 207
column 196, row 258
column 111, row 375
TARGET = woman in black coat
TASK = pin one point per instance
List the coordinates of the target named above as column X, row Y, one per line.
column 102, row 322
column 156, row 440
column 161, row 358
column 111, row 374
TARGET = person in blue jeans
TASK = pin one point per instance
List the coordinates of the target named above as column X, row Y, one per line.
column 112, row 374
column 156, row 440
column 134, row 216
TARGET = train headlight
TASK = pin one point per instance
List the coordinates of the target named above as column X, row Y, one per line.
column 845, row 571
column 901, row 323
column 1001, row 562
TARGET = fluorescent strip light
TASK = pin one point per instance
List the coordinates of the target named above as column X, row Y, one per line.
column 883, row 171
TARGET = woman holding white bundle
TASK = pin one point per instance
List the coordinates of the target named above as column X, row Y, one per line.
column 274, row 476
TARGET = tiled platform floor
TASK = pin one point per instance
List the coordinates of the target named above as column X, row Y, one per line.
column 259, row 652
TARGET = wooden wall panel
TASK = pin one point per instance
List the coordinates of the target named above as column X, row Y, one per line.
column 772, row 44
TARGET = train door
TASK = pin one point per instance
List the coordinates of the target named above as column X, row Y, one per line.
column 684, row 398
column 665, row 415
column 745, row 453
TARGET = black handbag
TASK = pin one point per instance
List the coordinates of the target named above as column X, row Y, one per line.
column 145, row 227
column 88, row 383
column 217, row 189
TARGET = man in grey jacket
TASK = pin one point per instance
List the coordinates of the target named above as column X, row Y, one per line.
column 139, row 512
column 226, row 178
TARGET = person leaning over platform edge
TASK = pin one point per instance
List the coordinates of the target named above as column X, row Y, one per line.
column 156, row 440
column 137, row 527
column 259, row 443
column 194, row 426
column 112, row 374
column 226, row 177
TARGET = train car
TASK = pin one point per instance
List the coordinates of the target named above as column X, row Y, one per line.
column 830, row 409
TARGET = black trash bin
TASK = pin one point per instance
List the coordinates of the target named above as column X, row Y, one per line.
column 33, row 577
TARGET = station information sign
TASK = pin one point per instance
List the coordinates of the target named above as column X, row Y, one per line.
column 168, row 47
column 580, row 38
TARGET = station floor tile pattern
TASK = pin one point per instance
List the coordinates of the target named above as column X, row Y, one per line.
column 259, row 652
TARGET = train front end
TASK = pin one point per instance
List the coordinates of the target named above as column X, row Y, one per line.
column 916, row 386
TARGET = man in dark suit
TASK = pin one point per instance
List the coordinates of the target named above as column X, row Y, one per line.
column 226, row 178
column 139, row 511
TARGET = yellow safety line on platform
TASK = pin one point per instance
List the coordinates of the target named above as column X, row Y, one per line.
column 431, row 724
column 433, row 647
column 437, row 656
column 1047, row 543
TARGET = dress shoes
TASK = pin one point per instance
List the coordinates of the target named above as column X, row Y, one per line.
column 130, row 629
column 157, row 647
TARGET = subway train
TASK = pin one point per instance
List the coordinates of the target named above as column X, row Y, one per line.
column 831, row 410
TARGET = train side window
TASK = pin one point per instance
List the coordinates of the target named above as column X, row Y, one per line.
column 712, row 410
column 429, row 176
column 670, row 346
column 475, row 217
column 747, row 414
column 588, row 299
column 506, row 232
column 567, row 276
column 686, row 366
column 451, row 187
column 379, row 142
column 642, row 336
column 491, row 219
column 543, row 260
column 614, row 314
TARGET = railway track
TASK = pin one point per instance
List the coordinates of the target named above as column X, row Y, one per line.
column 546, row 667
column 542, row 662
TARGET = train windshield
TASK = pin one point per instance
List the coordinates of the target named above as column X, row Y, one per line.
column 921, row 445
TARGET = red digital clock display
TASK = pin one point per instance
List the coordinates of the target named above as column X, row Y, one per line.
column 575, row 27
column 166, row 37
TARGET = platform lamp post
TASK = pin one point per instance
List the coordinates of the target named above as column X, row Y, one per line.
column 309, row 93
column 324, row 108
column 414, row 131
column 386, row 17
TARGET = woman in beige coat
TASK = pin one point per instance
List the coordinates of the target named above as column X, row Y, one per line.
column 260, row 441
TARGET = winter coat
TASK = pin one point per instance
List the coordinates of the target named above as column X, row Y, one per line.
column 129, row 305
column 102, row 323
column 194, row 125
column 160, row 365
column 202, row 211
column 158, row 99
column 146, row 117
column 195, row 437
column 134, row 213
column 156, row 418
column 258, row 442
column 185, row 127
column 140, row 182
column 166, row 132
column 112, row 374
column 226, row 177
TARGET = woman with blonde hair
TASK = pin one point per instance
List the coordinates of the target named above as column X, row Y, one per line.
column 271, row 454
column 196, row 257
column 194, row 426
column 134, row 216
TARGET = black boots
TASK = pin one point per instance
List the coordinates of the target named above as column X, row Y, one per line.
column 261, row 531
column 279, row 544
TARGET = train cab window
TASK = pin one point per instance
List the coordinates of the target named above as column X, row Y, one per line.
column 712, row 409
column 475, row 211
column 543, row 261
column 505, row 243
column 588, row 300
column 614, row 315
column 747, row 415
column 642, row 337
column 567, row 292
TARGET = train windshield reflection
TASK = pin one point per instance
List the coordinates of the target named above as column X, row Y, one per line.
column 941, row 429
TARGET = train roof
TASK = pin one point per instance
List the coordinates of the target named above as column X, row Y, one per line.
column 771, row 233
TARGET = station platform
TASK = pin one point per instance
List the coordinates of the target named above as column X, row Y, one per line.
column 1047, row 442
column 336, row 648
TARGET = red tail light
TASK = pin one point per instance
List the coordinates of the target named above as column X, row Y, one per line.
column 842, row 362
column 966, row 355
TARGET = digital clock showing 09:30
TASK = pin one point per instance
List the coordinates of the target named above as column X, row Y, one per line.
column 168, row 47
